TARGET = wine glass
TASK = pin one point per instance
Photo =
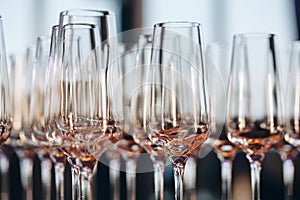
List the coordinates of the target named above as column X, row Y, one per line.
column 255, row 118
column 138, row 113
column 21, row 68
column 178, row 111
column 292, row 135
column 28, row 138
column 6, row 107
column 104, row 21
column 217, row 65
column 36, row 112
column 56, row 155
column 5, row 113
column 129, row 112
column 82, row 113
column 114, row 157
column 219, row 57
column 122, row 87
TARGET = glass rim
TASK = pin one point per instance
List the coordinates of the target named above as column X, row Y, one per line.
column 86, row 13
column 56, row 26
column 79, row 26
column 177, row 24
column 255, row 35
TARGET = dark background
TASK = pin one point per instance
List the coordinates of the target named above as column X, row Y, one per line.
column 208, row 179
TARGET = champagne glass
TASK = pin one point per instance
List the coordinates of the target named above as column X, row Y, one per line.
column 105, row 23
column 219, row 57
column 21, row 68
column 5, row 114
column 56, row 155
column 36, row 112
column 6, row 107
column 28, row 128
column 130, row 112
column 122, row 87
column 254, row 119
column 81, row 118
column 179, row 117
column 217, row 65
column 292, row 135
column 138, row 113
column 114, row 158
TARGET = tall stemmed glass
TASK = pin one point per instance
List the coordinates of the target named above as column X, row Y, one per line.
column 255, row 119
column 21, row 80
column 179, row 118
column 5, row 113
column 130, row 113
column 36, row 112
column 104, row 21
column 293, row 118
column 56, row 155
column 219, row 55
column 121, row 76
column 83, row 110
column 139, row 114
column 5, row 106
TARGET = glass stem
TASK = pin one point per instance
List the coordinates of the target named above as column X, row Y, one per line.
column 59, row 180
column 255, row 165
column 178, row 168
column 288, row 177
column 26, row 167
column 76, row 191
column 226, row 175
column 190, row 178
column 46, row 166
column 4, row 167
column 114, row 178
column 159, row 168
column 131, row 178
column 86, row 184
